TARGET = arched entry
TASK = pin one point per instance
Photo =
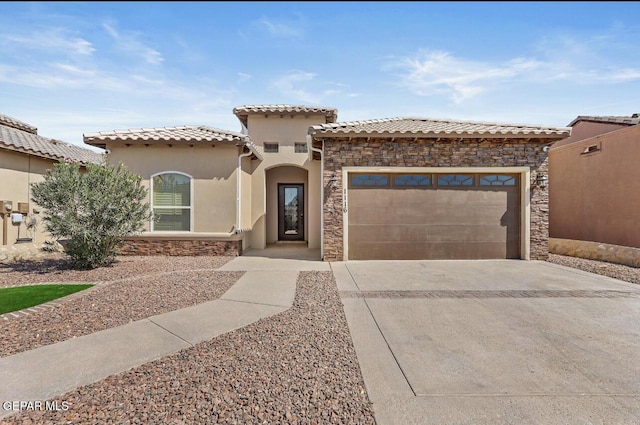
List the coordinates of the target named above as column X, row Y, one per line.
column 287, row 204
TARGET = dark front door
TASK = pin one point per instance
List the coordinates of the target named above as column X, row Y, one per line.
column 290, row 212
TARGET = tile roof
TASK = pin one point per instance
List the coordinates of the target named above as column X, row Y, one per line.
column 14, row 123
column 413, row 127
column 27, row 141
column 183, row 135
column 177, row 135
column 632, row 120
column 243, row 111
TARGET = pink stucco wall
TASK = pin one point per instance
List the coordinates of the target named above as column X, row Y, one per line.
column 596, row 196
column 586, row 129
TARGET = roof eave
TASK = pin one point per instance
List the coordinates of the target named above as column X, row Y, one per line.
column 320, row 134
column 42, row 154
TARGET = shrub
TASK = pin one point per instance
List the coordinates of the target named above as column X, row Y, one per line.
column 93, row 209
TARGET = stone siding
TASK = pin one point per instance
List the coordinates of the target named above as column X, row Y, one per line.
column 182, row 247
column 380, row 152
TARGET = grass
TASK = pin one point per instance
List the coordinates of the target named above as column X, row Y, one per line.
column 13, row 299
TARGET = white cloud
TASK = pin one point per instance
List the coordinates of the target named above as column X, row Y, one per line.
column 282, row 28
column 439, row 73
column 129, row 42
column 54, row 38
column 290, row 85
column 242, row 76
column 303, row 86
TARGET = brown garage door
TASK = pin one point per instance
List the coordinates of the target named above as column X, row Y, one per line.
column 433, row 216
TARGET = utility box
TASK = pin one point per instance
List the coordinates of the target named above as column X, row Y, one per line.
column 16, row 218
column 6, row 206
column 23, row 207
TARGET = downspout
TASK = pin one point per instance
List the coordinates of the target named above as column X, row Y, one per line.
column 320, row 151
column 238, row 193
column 252, row 151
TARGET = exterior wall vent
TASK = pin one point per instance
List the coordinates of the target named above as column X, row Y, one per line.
column 270, row 148
column 591, row 149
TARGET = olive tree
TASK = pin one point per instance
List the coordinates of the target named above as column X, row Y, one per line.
column 93, row 209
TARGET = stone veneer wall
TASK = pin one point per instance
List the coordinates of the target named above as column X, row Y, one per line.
column 342, row 152
column 184, row 247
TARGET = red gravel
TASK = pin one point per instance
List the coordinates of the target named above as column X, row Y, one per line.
column 297, row 367
column 139, row 287
column 616, row 271
column 56, row 268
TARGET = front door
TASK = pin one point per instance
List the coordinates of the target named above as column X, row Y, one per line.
column 290, row 212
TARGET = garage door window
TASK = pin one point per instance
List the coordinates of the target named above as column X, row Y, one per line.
column 455, row 180
column 497, row 180
column 369, row 180
column 412, row 180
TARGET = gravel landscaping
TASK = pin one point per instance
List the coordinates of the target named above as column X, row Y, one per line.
column 55, row 268
column 297, row 367
column 616, row 271
column 134, row 288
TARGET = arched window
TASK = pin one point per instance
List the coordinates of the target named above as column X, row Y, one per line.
column 171, row 205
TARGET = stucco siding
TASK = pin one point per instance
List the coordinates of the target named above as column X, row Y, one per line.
column 213, row 170
column 594, row 195
column 286, row 131
column 18, row 171
column 585, row 129
column 283, row 129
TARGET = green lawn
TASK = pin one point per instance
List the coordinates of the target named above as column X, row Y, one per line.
column 12, row 299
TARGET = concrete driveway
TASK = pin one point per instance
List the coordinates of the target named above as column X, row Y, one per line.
column 493, row 342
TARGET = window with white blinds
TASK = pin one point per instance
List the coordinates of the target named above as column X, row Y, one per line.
column 172, row 202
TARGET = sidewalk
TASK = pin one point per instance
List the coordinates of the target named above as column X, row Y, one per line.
column 53, row 370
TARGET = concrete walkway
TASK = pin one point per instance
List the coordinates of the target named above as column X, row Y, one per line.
column 267, row 288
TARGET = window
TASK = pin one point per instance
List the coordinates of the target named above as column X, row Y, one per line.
column 369, row 180
column 171, row 202
column 456, row 180
column 300, row 148
column 412, row 180
column 270, row 148
column 497, row 180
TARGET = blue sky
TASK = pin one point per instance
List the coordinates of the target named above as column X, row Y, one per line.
column 70, row 68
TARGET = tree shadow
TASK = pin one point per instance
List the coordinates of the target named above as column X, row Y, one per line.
column 38, row 266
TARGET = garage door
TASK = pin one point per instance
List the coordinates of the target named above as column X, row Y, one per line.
column 433, row 216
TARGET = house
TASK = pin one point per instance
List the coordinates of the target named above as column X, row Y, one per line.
column 594, row 189
column 399, row 188
column 25, row 158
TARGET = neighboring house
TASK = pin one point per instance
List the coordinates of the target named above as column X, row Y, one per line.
column 400, row 188
column 594, row 183
column 25, row 158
